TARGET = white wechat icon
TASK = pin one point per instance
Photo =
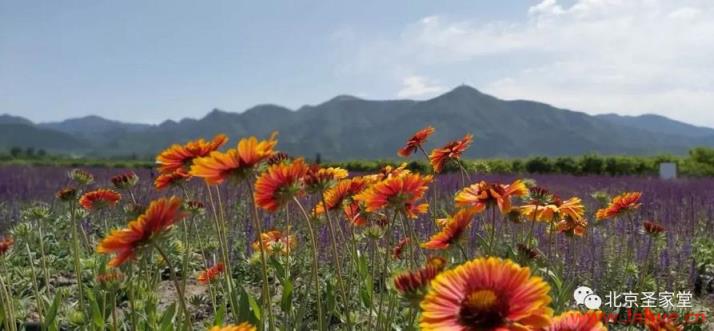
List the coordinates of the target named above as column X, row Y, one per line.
column 584, row 295
column 593, row 301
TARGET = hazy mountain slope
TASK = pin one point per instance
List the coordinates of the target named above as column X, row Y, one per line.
column 94, row 128
column 24, row 136
column 659, row 124
column 347, row 127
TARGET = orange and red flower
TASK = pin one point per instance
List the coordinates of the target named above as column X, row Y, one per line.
column 109, row 277
column 412, row 284
column 572, row 226
column 416, row 141
column 125, row 181
column 486, row 294
column 175, row 178
column 235, row 163
column 400, row 192
column 620, row 204
column 653, row 228
column 5, row 244
column 452, row 151
column 180, row 156
column 554, row 210
column 452, row 230
column 208, row 275
column 280, row 183
column 67, row 194
column 99, row 199
column 342, row 191
column 234, row 327
column 318, row 179
column 161, row 215
column 482, row 195
column 399, row 248
column 275, row 241
column 575, row 320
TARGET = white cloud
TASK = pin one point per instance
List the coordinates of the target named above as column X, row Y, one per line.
column 419, row 86
column 624, row 56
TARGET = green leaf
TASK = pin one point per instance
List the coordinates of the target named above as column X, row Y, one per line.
column 254, row 306
column 220, row 315
column 51, row 314
column 97, row 316
column 167, row 318
column 287, row 298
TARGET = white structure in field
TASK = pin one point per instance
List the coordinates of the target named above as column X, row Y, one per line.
column 668, row 170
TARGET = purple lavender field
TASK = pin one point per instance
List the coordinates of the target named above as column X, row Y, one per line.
column 683, row 206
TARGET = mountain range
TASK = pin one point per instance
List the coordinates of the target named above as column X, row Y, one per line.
column 347, row 127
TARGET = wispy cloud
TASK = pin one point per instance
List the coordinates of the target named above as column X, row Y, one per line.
column 419, row 86
column 625, row 56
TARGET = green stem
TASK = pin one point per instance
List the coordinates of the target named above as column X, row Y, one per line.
column 338, row 265
column 179, row 292
column 266, row 289
column 36, row 288
column 315, row 265
column 43, row 256
column 77, row 255
column 227, row 275
column 385, row 266
column 8, row 307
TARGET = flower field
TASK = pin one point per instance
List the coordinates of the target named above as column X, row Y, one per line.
column 238, row 236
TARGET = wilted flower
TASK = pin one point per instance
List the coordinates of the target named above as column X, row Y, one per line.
column 572, row 226
column 208, row 275
column 280, row 183
column 109, row 277
column 80, row 176
column 486, row 294
column 318, row 179
column 277, row 157
column 195, row 207
column 236, row 163
column 125, row 181
column 540, row 196
column 158, row 218
column 620, row 204
column 416, row 141
column 483, row 195
column 67, row 194
column 412, row 285
column 181, row 156
column 175, row 178
column 452, row 151
column 653, row 228
column 397, row 250
column 5, row 244
column 529, row 252
column 134, row 210
column 99, row 199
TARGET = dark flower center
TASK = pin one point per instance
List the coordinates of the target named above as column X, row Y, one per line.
column 481, row 310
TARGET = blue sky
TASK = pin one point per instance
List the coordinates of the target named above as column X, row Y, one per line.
column 146, row 61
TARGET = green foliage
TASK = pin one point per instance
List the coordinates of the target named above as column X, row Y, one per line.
column 700, row 162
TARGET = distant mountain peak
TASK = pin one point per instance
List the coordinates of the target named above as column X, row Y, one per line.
column 11, row 119
column 344, row 97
